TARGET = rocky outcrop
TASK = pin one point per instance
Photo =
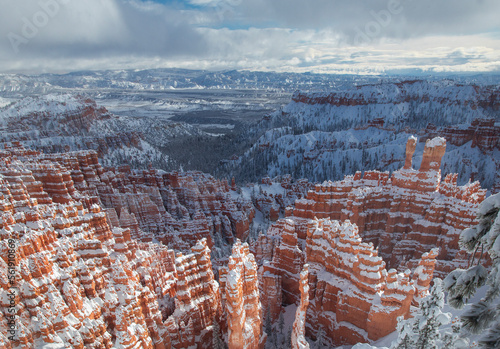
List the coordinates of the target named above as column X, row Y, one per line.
column 412, row 216
column 242, row 304
column 299, row 325
column 324, row 135
column 57, row 123
column 352, row 296
column 443, row 93
column 63, row 116
column 482, row 133
column 90, row 276
column 405, row 215
column 81, row 283
column 175, row 208
column 273, row 196
column 197, row 300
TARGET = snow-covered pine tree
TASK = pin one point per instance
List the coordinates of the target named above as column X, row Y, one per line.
column 217, row 342
column 482, row 317
column 281, row 322
column 320, row 336
column 288, row 340
column 452, row 340
column 406, row 337
column 422, row 331
column 431, row 318
column 267, row 322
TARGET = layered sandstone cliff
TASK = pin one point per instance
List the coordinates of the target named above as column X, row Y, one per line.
column 405, row 214
column 482, row 133
column 412, row 217
column 241, row 299
column 77, row 282
column 175, row 208
column 90, row 276
column 352, row 296
column 299, row 325
column 58, row 123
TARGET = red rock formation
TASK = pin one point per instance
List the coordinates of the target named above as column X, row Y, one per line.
column 289, row 259
column 175, row 208
column 198, row 299
column 433, row 152
column 352, row 297
column 242, row 304
column 406, row 215
column 55, row 117
column 410, row 149
column 299, row 325
column 476, row 96
column 423, row 274
column 82, row 284
column 482, row 133
column 268, row 206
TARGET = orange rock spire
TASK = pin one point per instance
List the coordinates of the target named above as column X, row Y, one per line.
column 299, row 325
column 242, row 304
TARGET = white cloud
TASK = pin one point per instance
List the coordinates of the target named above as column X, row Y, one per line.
column 320, row 35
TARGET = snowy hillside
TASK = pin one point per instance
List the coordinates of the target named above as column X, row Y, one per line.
column 64, row 122
column 326, row 135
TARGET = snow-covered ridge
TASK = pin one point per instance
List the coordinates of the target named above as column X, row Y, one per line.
column 68, row 122
column 410, row 103
column 55, row 105
column 445, row 91
column 325, row 135
column 171, row 79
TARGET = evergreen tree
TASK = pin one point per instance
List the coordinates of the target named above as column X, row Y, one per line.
column 452, row 340
column 281, row 322
column 288, row 340
column 217, row 342
column 427, row 324
column 482, row 317
column 422, row 331
column 319, row 338
column 406, row 337
column 267, row 323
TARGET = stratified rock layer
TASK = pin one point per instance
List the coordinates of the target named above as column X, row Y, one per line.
column 299, row 325
column 412, row 216
column 405, row 215
column 175, row 208
column 242, row 304
column 80, row 283
column 352, row 297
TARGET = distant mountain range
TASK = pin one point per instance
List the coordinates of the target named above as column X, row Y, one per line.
column 166, row 79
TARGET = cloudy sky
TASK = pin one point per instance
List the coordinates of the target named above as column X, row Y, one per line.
column 358, row 36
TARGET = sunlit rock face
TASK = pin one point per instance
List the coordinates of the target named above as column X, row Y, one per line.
column 352, row 297
column 372, row 243
column 405, row 214
column 111, row 257
column 483, row 133
column 82, row 283
column 241, row 299
column 299, row 325
column 175, row 208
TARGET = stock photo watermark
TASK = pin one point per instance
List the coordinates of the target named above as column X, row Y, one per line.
column 13, row 291
column 381, row 20
column 30, row 26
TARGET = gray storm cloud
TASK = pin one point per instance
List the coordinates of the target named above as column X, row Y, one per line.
column 257, row 34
